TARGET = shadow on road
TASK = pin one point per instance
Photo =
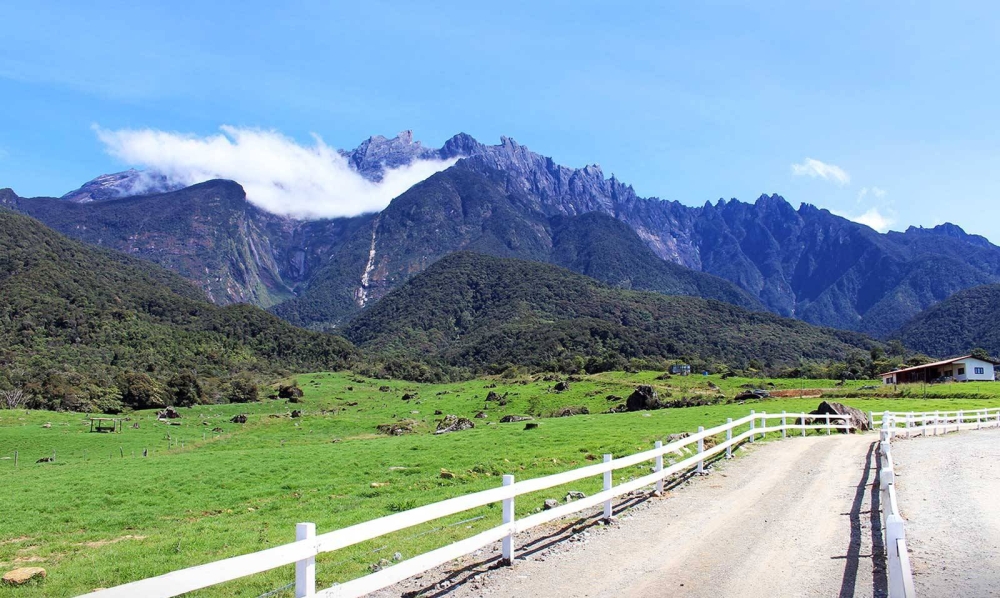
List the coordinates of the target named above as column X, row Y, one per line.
column 852, row 561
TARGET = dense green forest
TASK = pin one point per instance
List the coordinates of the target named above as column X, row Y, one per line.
column 486, row 314
column 965, row 320
column 87, row 328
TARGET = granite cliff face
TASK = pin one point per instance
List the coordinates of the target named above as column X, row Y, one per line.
column 508, row 201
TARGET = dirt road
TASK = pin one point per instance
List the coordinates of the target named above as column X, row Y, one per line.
column 948, row 488
column 789, row 518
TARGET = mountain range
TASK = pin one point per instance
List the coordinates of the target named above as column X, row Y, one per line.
column 507, row 201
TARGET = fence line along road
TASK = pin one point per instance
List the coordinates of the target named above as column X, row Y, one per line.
column 307, row 545
column 909, row 424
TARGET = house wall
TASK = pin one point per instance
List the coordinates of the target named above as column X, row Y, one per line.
column 970, row 366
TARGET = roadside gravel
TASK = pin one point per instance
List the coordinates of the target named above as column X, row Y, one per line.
column 948, row 488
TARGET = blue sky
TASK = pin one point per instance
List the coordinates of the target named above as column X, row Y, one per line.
column 895, row 103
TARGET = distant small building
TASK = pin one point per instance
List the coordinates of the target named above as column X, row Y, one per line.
column 960, row 369
column 680, row 369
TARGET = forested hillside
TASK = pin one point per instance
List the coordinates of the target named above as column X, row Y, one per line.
column 484, row 313
column 968, row 319
column 83, row 327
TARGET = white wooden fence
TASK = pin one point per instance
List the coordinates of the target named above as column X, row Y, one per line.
column 307, row 545
column 908, row 424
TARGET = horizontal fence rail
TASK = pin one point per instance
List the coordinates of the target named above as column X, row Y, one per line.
column 933, row 423
column 308, row 545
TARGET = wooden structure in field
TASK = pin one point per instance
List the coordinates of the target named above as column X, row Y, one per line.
column 106, row 424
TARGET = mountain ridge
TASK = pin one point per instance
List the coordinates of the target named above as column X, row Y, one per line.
column 804, row 262
column 487, row 313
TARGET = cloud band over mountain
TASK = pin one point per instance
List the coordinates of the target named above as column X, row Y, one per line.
column 279, row 174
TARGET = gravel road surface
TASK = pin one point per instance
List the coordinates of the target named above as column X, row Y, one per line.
column 788, row 518
column 948, row 488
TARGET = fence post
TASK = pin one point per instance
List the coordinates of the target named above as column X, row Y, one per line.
column 961, row 421
column 871, row 418
column 937, row 421
column 979, row 420
column 305, row 570
column 753, row 422
column 827, row 424
column 893, row 533
column 607, row 486
column 763, row 424
column 784, row 423
column 701, row 449
column 658, row 467
column 729, row 437
column 508, row 520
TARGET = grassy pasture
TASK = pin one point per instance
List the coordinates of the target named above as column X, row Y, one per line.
column 95, row 518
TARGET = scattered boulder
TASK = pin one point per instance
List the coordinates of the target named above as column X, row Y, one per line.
column 168, row 413
column 754, row 393
column 531, row 426
column 858, row 421
column 399, row 428
column 613, row 398
column 407, row 396
column 239, row 419
column 507, row 419
column 290, row 392
column 217, row 430
column 642, row 399
column 352, row 404
column 550, row 503
column 447, row 475
column 350, row 389
column 272, row 416
column 562, row 386
column 47, row 425
column 45, row 460
column 496, row 397
column 480, row 415
column 438, row 412
column 453, row 423
column 384, row 389
column 571, row 411
column 23, row 575
column 574, row 495
column 296, row 414
column 665, row 376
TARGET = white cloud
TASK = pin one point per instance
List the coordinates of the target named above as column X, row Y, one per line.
column 815, row 168
column 873, row 218
column 279, row 174
column 878, row 192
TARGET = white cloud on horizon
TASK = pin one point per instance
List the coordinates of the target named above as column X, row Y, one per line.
column 279, row 174
column 873, row 217
column 816, row 169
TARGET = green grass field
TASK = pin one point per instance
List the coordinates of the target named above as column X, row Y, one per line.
column 102, row 514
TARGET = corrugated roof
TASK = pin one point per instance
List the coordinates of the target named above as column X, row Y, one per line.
column 929, row 365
